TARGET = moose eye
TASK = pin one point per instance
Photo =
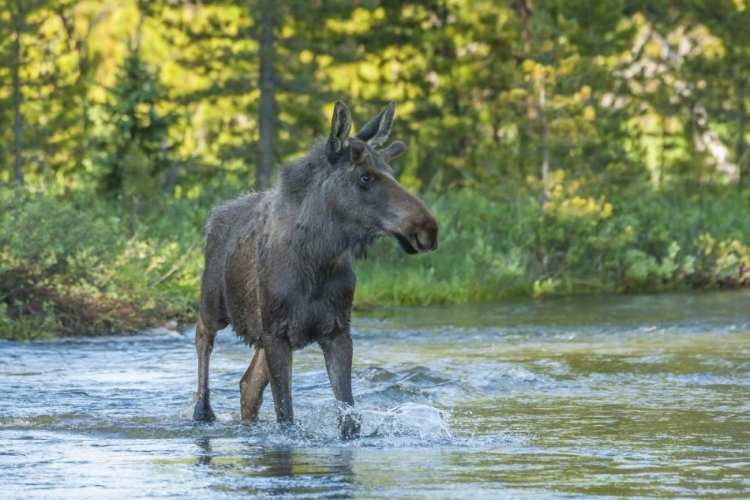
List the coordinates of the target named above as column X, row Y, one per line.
column 365, row 178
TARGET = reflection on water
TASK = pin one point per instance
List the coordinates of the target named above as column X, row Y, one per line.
column 278, row 470
column 205, row 452
column 644, row 396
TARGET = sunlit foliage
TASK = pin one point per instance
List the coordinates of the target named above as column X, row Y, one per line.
column 567, row 145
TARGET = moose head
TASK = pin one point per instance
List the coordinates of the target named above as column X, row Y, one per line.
column 362, row 190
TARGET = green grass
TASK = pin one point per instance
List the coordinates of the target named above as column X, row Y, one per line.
column 650, row 242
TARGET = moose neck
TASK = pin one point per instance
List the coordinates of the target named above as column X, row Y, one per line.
column 318, row 238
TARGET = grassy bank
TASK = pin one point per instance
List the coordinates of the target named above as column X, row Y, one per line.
column 74, row 269
column 70, row 268
column 644, row 242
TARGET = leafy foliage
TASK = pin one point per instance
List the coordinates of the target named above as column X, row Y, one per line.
column 492, row 249
column 133, row 149
column 66, row 271
column 566, row 146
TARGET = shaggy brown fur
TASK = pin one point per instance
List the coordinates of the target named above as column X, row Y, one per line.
column 278, row 263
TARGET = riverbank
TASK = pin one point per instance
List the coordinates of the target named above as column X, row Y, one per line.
column 74, row 268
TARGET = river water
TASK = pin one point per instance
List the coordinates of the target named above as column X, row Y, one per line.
column 638, row 396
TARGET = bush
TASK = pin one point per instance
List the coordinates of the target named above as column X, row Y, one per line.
column 642, row 241
column 76, row 272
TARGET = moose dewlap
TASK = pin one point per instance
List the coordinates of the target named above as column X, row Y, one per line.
column 278, row 263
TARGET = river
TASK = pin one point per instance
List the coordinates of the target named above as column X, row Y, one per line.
column 581, row 397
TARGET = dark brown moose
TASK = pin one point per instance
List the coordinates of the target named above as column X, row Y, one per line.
column 278, row 263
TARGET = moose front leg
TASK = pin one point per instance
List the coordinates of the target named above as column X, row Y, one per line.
column 338, row 355
column 252, row 385
column 204, row 345
column 279, row 360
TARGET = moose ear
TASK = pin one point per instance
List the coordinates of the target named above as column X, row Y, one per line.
column 357, row 151
column 393, row 151
column 377, row 130
column 341, row 125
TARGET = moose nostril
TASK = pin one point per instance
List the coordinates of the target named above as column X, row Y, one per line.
column 420, row 245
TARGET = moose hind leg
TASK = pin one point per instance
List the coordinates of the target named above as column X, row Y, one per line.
column 279, row 360
column 338, row 355
column 204, row 345
column 252, row 385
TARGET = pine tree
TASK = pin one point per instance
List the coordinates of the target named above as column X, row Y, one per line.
column 135, row 153
column 21, row 26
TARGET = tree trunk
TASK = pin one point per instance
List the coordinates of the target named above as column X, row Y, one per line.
column 266, row 115
column 742, row 160
column 80, row 45
column 663, row 152
column 17, row 99
column 545, row 146
column 173, row 175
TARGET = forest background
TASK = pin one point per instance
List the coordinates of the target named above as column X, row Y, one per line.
column 566, row 146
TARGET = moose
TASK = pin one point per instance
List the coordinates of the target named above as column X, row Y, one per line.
column 278, row 263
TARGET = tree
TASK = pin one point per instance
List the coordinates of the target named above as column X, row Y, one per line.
column 134, row 159
column 20, row 25
column 728, row 20
column 267, row 86
column 18, row 14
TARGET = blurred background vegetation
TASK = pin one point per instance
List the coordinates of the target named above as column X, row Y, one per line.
column 566, row 146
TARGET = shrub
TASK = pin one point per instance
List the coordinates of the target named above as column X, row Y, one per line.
column 639, row 241
column 69, row 271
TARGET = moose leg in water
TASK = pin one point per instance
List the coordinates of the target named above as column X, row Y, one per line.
column 252, row 385
column 204, row 345
column 279, row 360
column 337, row 351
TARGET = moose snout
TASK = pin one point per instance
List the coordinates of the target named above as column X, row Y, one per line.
column 426, row 235
column 415, row 228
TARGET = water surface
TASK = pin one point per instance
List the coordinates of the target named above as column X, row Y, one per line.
column 639, row 396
